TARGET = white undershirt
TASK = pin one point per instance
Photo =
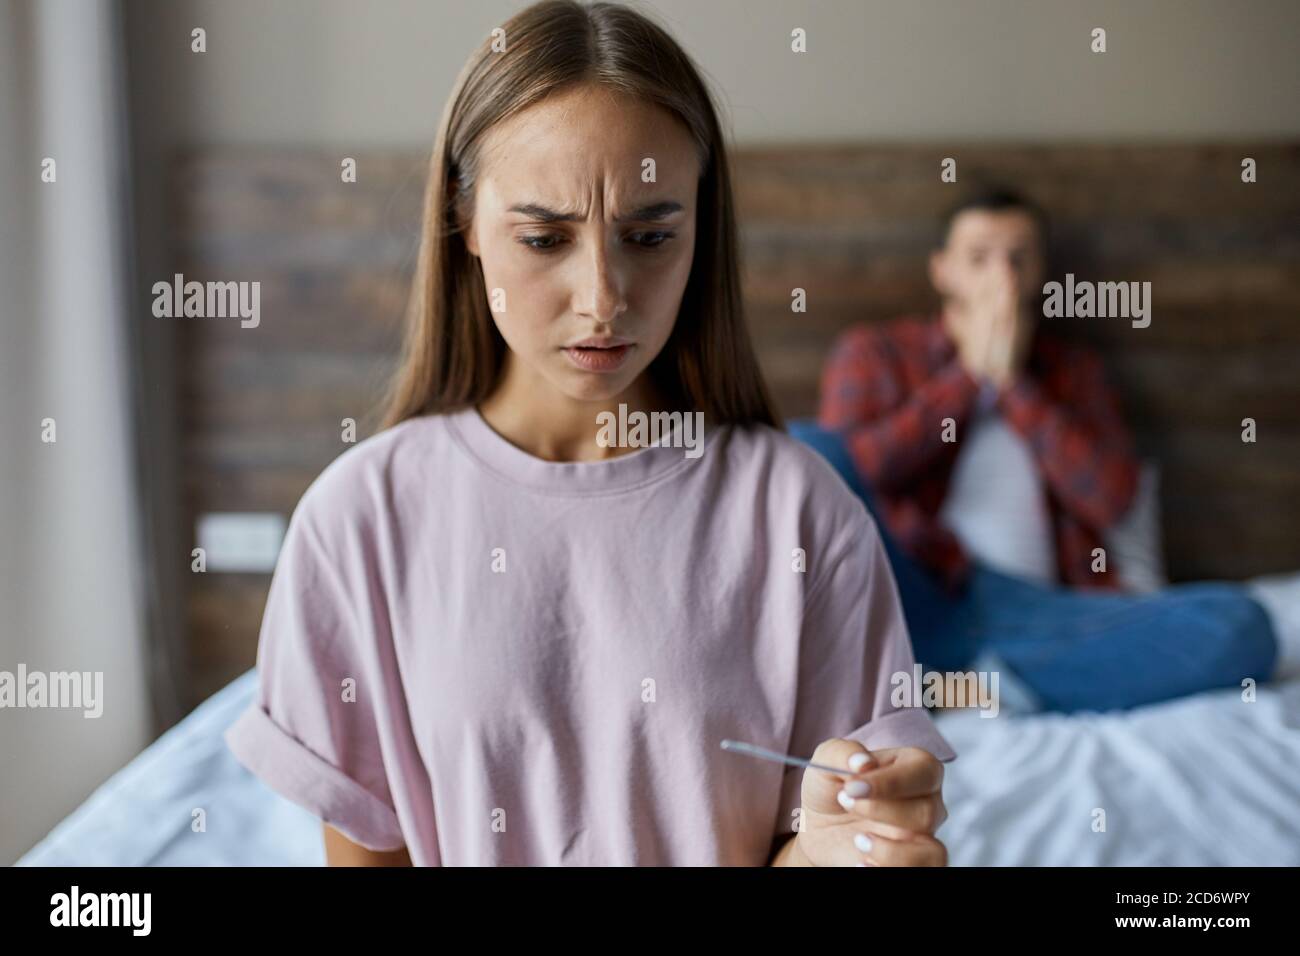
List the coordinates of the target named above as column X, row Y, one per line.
column 996, row 503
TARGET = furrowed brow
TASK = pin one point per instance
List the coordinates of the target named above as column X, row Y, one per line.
column 654, row 212
column 542, row 214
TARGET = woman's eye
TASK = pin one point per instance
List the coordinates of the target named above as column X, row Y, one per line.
column 652, row 240
column 540, row 243
column 644, row 240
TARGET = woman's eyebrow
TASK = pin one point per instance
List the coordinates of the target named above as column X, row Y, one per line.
column 653, row 212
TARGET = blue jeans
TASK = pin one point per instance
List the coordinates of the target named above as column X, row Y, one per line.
column 1064, row 650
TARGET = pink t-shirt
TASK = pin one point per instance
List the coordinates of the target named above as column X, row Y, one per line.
column 494, row 659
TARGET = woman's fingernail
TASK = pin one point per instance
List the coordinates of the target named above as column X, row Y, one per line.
column 858, row 761
column 859, row 863
column 862, row 842
column 857, row 788
column 845, row 800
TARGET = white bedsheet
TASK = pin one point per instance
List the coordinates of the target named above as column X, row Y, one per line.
column 1206, row 780
column 143, row 815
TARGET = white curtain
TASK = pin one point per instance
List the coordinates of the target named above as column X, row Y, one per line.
column 71, row 581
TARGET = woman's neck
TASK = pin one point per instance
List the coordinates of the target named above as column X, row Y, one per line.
column 554, row 427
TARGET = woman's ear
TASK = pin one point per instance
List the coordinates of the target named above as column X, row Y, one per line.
column 464, row 221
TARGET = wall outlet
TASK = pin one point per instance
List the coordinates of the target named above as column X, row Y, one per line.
column 241, row 542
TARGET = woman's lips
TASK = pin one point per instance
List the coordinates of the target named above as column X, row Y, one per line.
column 598, row 359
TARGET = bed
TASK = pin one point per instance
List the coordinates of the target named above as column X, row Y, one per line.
column 1207, row 780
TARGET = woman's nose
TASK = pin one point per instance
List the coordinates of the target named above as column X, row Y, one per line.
column 600, row 292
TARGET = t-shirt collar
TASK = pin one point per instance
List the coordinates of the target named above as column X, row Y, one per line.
column 624, row 472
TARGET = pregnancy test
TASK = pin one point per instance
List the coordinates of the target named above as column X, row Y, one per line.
column 764, row 754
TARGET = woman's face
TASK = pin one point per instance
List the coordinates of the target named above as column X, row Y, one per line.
column 584, row 262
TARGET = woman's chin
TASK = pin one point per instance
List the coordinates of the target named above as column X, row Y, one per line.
column 595, row 386
column 595, row 393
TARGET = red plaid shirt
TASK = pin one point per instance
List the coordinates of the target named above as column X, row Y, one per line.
column 888, row 387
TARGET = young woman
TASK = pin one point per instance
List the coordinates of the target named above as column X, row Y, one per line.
column 491, row 637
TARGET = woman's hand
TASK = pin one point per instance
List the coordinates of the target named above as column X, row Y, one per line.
column 884, row 814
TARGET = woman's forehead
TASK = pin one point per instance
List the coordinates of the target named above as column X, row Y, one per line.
column 575, row 142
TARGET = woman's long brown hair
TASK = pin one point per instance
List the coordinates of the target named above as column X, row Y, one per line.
column 452, row 354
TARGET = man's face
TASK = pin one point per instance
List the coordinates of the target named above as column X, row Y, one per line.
column 981, row 241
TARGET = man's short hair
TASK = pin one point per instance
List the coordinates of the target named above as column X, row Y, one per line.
column 996, row 198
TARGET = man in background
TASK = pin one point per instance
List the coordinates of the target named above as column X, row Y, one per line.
column 979, row 434
column 995, row 457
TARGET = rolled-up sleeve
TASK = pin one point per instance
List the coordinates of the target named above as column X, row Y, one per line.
column 853, row 642
column 311, row 734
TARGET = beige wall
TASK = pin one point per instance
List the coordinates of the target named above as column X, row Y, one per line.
column 378, row 71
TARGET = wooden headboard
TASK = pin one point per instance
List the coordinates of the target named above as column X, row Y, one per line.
column 260, row 409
